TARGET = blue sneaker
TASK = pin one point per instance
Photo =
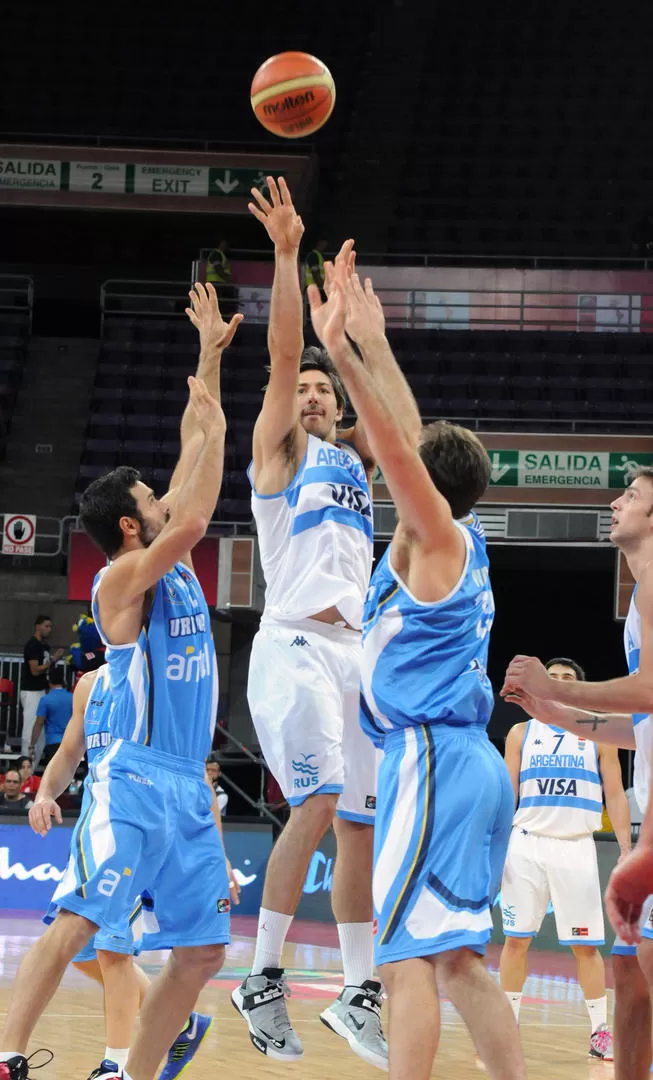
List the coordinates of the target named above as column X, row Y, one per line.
column 186, row 1045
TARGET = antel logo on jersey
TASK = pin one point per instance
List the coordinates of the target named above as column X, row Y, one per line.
column 40, row 872
column 190, row 668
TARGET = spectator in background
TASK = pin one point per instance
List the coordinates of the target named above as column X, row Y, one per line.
column 314, row 267
column 34, row 679
column 54, row 711
column 220, row 275
column 29, row 784
column 12, row 801
column 214, row 771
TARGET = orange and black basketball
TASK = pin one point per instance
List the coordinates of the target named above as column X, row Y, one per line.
column 293, row 94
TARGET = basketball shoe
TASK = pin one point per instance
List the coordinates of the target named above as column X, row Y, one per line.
column 186, row 1045
column 105, row 1068
column 355, row 1015
column 19, row 1067
column 261, row 1001
column 601, row 1044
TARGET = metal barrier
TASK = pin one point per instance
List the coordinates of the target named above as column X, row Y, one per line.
column 413, row 309
column 17, row 294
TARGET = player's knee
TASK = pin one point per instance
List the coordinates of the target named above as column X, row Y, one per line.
column 585, row 952
column 517, row 946
column 630, row 983
column 457, row 964
column 316, row 814
column 201, row 962
column 72, row 931
column 645, row 960
column 114, row 960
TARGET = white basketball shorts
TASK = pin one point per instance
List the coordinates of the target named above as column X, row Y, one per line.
column 304, row 696
column 540, row 869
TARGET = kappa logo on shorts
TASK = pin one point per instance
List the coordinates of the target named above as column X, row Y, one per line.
column 300, row 640
column 370, row 802
column 309, row 773
column 580, row 931
column 224, row 907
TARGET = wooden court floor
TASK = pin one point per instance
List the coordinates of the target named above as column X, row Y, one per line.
column 554, row 1024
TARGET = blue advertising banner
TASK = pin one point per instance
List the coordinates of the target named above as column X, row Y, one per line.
column 31, row 866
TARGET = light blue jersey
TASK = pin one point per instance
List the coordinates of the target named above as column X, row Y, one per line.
column 425, row 663
column 97, row 733
column 444, row 798
column 165, row 685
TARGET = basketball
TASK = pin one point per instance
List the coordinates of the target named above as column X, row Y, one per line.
column 293, row 94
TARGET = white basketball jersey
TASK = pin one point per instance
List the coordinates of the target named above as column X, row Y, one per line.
column 642, row 722
column 559, row 783
column 316, row 537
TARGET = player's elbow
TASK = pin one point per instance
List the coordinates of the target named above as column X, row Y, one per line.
column 191, row 528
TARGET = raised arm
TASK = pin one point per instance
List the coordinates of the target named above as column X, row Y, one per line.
column 616, row 729
column 279, row 415
column 62, row 767
column 365, row 325
column 215, row 336
column 128, row 578
column 423, row 512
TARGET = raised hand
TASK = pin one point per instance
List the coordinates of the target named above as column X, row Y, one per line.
column 282, row 223
column 40, row 815
column 329, row 318
column 341, row 268
column 204, row 313
column 629, row 885
column 365, row 318
column 208, row 411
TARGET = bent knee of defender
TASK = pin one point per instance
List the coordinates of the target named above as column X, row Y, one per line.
column 72, row 931
column 198, row 962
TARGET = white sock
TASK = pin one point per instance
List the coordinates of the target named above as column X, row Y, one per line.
column 6, row 1055
column 357, row 948
column 515, row 1003
column 598, row 1010
column 119, row 1056
column 272, row 929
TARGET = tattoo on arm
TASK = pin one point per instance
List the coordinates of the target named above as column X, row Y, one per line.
column 595, row 719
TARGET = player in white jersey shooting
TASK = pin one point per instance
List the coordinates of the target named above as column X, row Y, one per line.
column 623, row 718
column 312, row 506
column 557, row 778
column 445, row 802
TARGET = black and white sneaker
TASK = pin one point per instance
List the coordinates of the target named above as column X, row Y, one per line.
column 261, row 1001
column 18, row 1067
column 15, row 1068
column 355, row 1015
